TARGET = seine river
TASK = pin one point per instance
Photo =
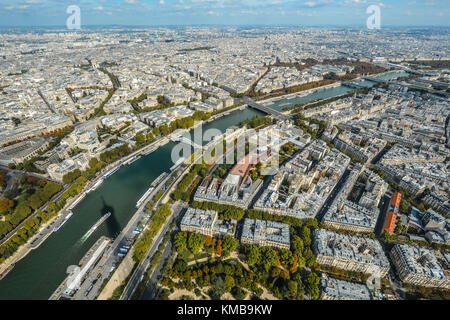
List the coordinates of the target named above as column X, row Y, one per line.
column 331, row 92
column 38, row 274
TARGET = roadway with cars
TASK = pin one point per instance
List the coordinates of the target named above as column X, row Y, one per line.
column 137, row 276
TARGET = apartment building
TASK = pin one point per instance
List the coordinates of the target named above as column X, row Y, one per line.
column 266, row 233
column 350, row 253
column 419, row 266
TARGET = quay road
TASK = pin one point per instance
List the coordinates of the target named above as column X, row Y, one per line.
column 110, row 257
column 137, row 276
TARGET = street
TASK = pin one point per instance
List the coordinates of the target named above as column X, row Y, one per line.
column 136, row 278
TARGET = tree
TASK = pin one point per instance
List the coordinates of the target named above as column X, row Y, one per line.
column 275, row 272
column 292, row 288
column 72, row 176
column 309, row 256
column 218, row 249
column 229, row 244
column 294, row 267
column 35, row 201
column 164, row 294
column 196, row 242
column 3, row 178
column 93, row 162
column 239, row 293
column 297, row 244
column 286, row 257
column 285, row 274
column 20, row 213
column 5, row 205
column 305, row 234
column 229, row 283
column 218, row 288
column 208, row 241
column 180, row 265
column 180, row 242
column 312, row 281
column 253, row 255
column 140, row 138
column 49, row 190
column 311, row 223
column 269, row 257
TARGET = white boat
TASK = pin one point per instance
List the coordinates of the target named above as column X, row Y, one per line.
column 95, row 186
column 146, row 194
column 159, row 179
column 63, row 222
column 96, row 225
column 81, row 197
column 134, row 159
column 109, row 174
column 100, row 222
column 151, row 150
column 131, row 160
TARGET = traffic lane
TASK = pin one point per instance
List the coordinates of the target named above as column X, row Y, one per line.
column 150, row 291
column 137, row 276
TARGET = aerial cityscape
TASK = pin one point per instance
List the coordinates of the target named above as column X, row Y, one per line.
column 216, row 160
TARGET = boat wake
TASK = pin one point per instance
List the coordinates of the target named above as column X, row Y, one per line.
column 86, row 236
column 94, row 227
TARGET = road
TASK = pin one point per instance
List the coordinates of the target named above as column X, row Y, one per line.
column 26, row 173
column 385, row 201
column 136, row 278
column 333, row 195
column 150, row 291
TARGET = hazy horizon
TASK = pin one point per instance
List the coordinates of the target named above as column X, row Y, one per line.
column 352, row 13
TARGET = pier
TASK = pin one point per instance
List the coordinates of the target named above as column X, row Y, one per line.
column 78, row 274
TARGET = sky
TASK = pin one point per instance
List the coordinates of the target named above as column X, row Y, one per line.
column 225, row 12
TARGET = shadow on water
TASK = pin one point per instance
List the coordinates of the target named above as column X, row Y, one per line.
column 111, row 223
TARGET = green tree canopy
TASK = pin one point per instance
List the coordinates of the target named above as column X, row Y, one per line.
column 229, row 244
column 196, row 242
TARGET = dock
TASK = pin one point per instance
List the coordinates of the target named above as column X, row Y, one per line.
column 77, row 274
